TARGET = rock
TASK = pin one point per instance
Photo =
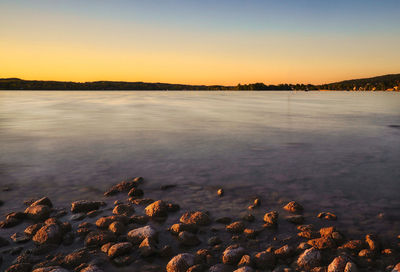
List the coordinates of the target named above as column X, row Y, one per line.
column 233, row 254
column 117, row 228
column 245, row 261
column 322, row 243
column 366, row 253
column 264, row 259
column 220, row 192
column 295, row 219
column 136, row 192
column 293, row 207
column 139, row 219
column 123, row 260
column 77, row 217
column 9, row 223
column 308, row 234
column 327, row 216
column 123, row 209
column 353, row 245
column 38, row 212
column 244, row 269
column 175, row 229
column 215, row 240
column 43, row 201
column 123, row 186
column 271, row 218
column 350, row 267
column 327, row 232
column 157, row 209
column 248, row 217
column 251, row 233
column 20, row 237
column 119, row 249
column 180, row 263
column 91, row 268
column 195, row 218
column 51, row 269
column 372, row 242
column 284, row 268
column 98, row 238
column 284, row 251
column 309, row 259
column 396, row 268
column 236, row 227
column 20, row 267
column 147, row 247
column 84, row 206
column 224, row 220
column 136, row 236
column 338, row 264
column 76, row 258
column 48, row 234
column 173, row 207
column 188, row 239
column 220, row 268
column 166, row 251
column 104, row 222
column 196, row 268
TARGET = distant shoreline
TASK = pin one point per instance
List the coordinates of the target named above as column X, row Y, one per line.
column 380, row 83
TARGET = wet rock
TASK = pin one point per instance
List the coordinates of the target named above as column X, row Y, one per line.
column 166, row 251
column 123, row 209
column 264, row 259
column 76, row 258
column 322, row 243
column 21, row 267
column 248, row 217
column 327, row 216
column 309, row 259
column 244, row 269
column 220, row 192
column 251, row 233
column 327, row 232
column 195, row 218
column 236, row 227
column 233, row 254
column 308, row 234
column 20, row 237
column 188, row 239
column 271, row 219
column 48, row 234
column 139, row 219
column 295, row 219
column 180, row 263
column 38, row 212
column 147, row 247
column 196, row 268
column 98, row 238
column 84, row 206
column 293, row 207
column 140, row 201
column 123, row 186
column 9, row 223
column 135, row 192
column 51, row 269
column 136, row 236
column 3, row 242
column 77, row 217
column 366, row 253
column 338, row 264
column 215, row 240
column 94, row 213
column 396, row 268
column 157, row 209
column 43, row 201
column 175, row 229
column 119, row 249
column 117, row 228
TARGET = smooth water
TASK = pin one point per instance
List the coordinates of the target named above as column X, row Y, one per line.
column 331, row 151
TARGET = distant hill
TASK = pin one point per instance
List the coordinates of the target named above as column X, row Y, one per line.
column 386, row 82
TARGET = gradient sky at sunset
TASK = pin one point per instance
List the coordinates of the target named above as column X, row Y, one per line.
column 199, row 42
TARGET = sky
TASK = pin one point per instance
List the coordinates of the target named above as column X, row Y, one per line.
column 199, row 42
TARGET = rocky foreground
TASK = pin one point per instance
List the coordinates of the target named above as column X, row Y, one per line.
column 141, row 234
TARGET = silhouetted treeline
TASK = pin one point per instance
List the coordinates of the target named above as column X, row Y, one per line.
column 387, row 82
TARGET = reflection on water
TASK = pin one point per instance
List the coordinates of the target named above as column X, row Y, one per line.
column 334, row 151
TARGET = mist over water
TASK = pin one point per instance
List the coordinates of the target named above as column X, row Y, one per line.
column 331, row 151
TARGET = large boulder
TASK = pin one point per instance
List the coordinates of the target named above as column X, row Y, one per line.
column 157, row 209
column 38, row 212
column 233, row 254
column 48, row 234
column 309, row 259
column 136, row 236
column 180, row 263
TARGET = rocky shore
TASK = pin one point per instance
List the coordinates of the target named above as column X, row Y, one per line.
column 126, row 231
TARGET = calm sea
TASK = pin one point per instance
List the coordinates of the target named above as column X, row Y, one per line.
column 331, row 151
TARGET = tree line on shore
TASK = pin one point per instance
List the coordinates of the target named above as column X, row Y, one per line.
column 381, row 83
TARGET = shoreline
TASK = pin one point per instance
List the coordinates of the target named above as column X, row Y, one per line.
column 114, row 236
